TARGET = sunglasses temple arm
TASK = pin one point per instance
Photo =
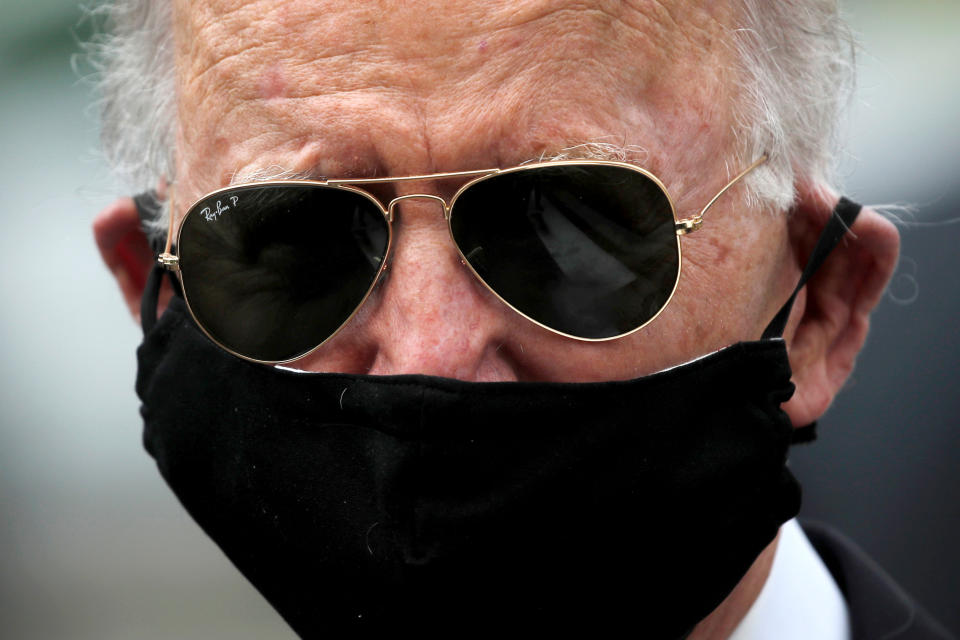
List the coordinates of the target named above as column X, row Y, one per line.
column 689, row 225
column 167, row 259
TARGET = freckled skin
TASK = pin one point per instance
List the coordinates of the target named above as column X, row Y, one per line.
column 401, row 88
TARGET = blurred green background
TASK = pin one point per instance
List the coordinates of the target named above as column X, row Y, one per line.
column 93, row 545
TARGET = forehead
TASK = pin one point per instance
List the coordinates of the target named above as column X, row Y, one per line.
column 353, row 87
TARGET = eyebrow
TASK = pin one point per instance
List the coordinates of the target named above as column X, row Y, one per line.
column 597, row 150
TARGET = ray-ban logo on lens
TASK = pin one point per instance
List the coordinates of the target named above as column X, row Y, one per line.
column 210, row 214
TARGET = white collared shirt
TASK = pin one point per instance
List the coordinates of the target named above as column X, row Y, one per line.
column 800, row 599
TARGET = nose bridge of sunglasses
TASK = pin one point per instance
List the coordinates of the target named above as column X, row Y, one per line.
column 424, row 196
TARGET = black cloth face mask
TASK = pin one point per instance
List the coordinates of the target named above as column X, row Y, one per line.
column 365, row 503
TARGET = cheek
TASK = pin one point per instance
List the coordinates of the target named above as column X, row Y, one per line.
column 729, row 282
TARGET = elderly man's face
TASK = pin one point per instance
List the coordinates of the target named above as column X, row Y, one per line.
column 358, row 89
column 364, row 89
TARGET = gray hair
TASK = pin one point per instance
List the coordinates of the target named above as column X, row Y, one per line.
column 798, row 74
column 132, row 61
column 799, row 62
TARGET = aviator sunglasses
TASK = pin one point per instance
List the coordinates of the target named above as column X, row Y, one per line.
column 588, row 249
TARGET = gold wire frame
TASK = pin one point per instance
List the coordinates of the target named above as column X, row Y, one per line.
column 681, row 227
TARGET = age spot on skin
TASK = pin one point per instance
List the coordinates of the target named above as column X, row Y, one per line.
column 721, row 251
column 221, row 145
column 272, row 83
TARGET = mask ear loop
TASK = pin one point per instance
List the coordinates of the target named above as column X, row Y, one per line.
column 841, row 220
column 148, row 303
column 148, row 209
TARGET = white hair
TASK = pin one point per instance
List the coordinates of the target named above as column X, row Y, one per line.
column 132, row 61
column 797, row 61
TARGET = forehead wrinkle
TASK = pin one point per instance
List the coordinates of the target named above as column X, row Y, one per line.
column 244, row 35
column 651, row 30
column 224, row 48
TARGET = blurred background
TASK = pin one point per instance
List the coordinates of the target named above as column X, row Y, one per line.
column 92, row 543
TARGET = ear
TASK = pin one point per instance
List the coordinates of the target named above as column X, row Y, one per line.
column 124, row 249
column 829, row 321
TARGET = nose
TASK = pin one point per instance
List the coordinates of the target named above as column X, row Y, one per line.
column 432, row 315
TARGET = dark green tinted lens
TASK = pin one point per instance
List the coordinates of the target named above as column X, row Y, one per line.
column 589, row 250
column 272, row 271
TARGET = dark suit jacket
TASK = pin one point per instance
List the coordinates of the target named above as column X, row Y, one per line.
column 879, row 608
